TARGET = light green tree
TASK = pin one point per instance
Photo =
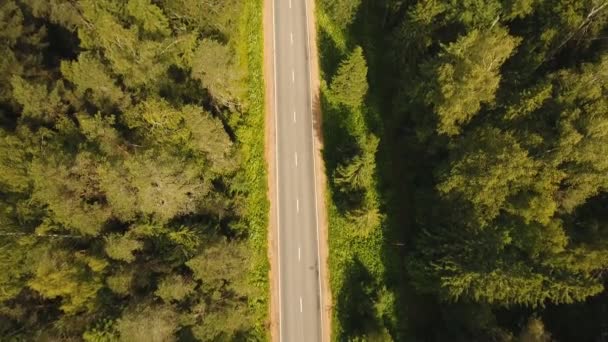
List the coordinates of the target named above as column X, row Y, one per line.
column 149, row 17
column 120, row 282
column 88, row 73
column 483, row 266
column 359, row 173
column 223, row 322
column 69, row 188
column 18, row 256
column 174, row 288
column 486, row 170
column 214, row 64
column 219, row 264
column 122, row 247
column 60, row 275
column 36, row 100
column 148, row 322
column 61, row 12
column 349, row 85
column 14, row 163
column 188, row 129
column 206, row 16
column 342, row 12
column 466, row 76
column 582, row 140
column 142, row 61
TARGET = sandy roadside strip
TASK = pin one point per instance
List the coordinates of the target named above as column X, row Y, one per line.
column 321, row 179
column 269, row 153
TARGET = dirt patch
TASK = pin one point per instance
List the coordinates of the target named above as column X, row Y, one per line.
column 321, row 179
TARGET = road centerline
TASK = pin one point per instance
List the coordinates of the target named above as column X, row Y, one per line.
column 298, row 228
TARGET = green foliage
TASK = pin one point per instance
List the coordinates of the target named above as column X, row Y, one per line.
column 252, row 150
column 148, row 16
column 215, row 66
column 148, row 323
column 218, row 265
column 364, row 221
column 534, row 331
column 490, row 168
column 103, row 332
column 223, row 324
column 174, row 288
column 167, row 193
column 122, row 247
column 36, row 100
column 141, row 60
column 69, row 190
column 62, row 275
column 467, row 76
column 89, row 74
column 359, row 172
column 355, row 219
column 487, row 183
column 11, row 19
column 125, row 152
column 16, row 259
column 14, row 163
column 120, row 282
column 60, row 12
column 520, row 8
column 349, row 85
column 189, row 129
column 341, row 11
column 214, row 16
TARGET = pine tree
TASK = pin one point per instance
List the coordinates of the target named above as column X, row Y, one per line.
column 466, row 75
column 59, row 274
column 148, row 322
column 149, row 17
column 349, row 85
column 174, row 288
column 486, row 171
column 122, row 247
column 215, row 67
column 88, row 74
column 342, row 11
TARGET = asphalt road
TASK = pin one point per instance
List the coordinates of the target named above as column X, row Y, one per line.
column 299, row 282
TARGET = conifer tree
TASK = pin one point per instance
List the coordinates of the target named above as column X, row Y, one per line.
column 349, row 85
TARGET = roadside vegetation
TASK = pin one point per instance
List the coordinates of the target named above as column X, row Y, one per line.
column 465, row 143
column 132, row 178
column 351, row 130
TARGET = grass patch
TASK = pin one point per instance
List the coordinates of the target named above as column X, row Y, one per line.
column 250, row 47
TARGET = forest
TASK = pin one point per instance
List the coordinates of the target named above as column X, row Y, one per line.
column 466, row 145
column 132, row 180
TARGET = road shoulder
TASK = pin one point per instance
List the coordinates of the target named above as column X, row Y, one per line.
column 269, row 153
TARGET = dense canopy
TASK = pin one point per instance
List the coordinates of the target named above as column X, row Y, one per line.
column 489, row 176
column 124, row 196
